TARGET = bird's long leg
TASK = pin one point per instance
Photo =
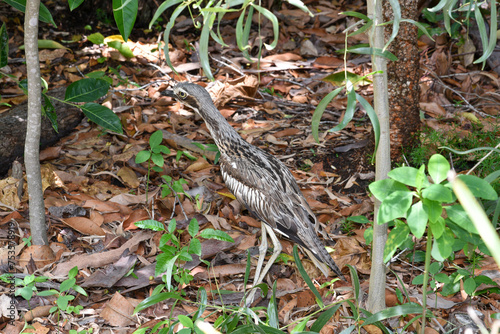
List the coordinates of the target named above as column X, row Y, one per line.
column 259, row 276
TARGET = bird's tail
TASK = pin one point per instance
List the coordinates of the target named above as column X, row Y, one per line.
column 320, row 256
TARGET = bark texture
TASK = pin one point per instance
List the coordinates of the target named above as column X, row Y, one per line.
column 403, row 80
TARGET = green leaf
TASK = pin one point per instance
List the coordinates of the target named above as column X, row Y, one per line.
column 208, row 23
column 4, row 46
column 417, row 220
column 166, row 34
column 396, row 13
column 349, row 111
column 44, row 15
column 73, row 4
column 320, row 109
column 193, row 227
column 394, row 206
column 96, row 38
column 373, row 119
column 210, row 233
column 396, row 237
column 271, row 17
column 445, row 243
column 86, row 90
column 156, row 138
column 438, row 168
column 406, row 175
column 438, row 193
column 67, row 284
column 150, row 224
column 396, row 311
column 185, row 321
column 142, row 156
column 324, row 318
column 299, row 4
column 433, row 209
column 490, row 46
column 47, row 293
column 195, row 247
column 418, row 280
column 125, row 13
column 272, row 309
column 164, row 6
column 122, row 48
column 383, row 188
column 102, row 116
column 479, row 187
column 437, row 227
column 373, row 51
column 172, row 225
column 457, row 214
column 153, row 300
column 306, row 277
column 470, row 286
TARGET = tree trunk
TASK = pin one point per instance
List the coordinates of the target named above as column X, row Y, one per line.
column 403, row 80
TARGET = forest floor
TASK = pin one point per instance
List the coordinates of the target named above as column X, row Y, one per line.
column 95, row 192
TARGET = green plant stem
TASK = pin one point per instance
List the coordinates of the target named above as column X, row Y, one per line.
column 426, row 276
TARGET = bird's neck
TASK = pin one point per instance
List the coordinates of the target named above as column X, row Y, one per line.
column 224, row 135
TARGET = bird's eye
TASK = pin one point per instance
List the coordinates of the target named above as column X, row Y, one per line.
column 182, row 94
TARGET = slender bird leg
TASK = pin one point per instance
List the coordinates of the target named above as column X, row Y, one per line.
column 276, row 251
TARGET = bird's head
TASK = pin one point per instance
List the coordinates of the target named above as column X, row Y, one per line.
column 192, row 95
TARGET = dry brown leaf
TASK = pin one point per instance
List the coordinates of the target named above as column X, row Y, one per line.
column 129, row 177
column 83, row 225
column 135, row 216
column 41, row 255
column 198, row 165
column 38, row 328
column 118, row 311
column 286, row 132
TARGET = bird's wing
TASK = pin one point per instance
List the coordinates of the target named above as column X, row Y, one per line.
column 269, row 191
column 267, row 188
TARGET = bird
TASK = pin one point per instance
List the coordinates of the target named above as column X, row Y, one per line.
column 261, row 183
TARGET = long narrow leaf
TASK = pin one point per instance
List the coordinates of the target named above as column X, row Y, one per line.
column 373, row 118
column 271, row 17
column 163, row 7
column 324, row 318
column 493, row 33
column 439, row 6
column 349, row 112
column 155, row 299
column 306, row 278
column 396, row 12
column 203, row 51
column 166, row 34
column 320, row 109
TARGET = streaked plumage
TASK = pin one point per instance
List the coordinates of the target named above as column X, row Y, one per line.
column 259, row 181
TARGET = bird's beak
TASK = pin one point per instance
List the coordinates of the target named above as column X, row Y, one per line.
column 169, row 93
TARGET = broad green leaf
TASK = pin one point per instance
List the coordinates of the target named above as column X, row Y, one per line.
column 96, row 38
column 420, row 178
column 73, row 4
column 125, row 13
column 395, row 205
column 185, row 321
column 479, row 187
column 396, row 237
column 438, row 168
column 157, row 159
column 142, row 156
column 457, row 214
column 4, row 46
column 44, row 15
column 150, row 224
column 445, row 243
column 122, row 48
column 195, row 247
column 405, row 175
column 437, row 226
column 67, row 284
column 86, row 90
column 156, row 138
column 193, row 227
column 382, row 188
column 320, row 109
column 438, row 193
column 433, row 209
column 210, row 233
column 470, row 286
column 102, row 116
column 417, row 220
